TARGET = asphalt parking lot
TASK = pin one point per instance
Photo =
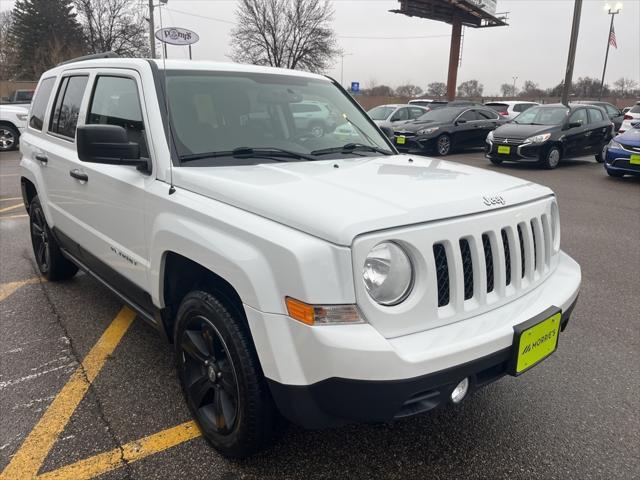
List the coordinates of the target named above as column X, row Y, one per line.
column 574, row 416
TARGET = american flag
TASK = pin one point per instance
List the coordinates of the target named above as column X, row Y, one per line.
column 612, row 38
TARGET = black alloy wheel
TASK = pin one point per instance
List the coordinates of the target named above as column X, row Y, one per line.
column 443, row 145
column 40, row 239
column 209, row 375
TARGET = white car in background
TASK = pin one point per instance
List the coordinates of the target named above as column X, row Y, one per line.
column 632, row 115
column 13, row 121
column 512, row 108
column 395, row 114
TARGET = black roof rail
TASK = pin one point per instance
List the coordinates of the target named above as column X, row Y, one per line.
column 91, row 57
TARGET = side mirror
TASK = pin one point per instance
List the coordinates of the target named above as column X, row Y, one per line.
column 460, row 121
column 574, row 124
column 107, row 144
column 388, row 131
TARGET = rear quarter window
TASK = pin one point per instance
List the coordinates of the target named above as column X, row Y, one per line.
column 40, row 102
column 635, row 109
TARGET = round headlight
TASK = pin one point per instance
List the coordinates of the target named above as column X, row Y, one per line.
column 388, row 274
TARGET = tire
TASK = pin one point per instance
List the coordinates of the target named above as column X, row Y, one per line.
column 613, row 173
column 317, row 130
column 552, row 158
column 443, row 145
column 496, row 161
column 9, row 137
column 600, row 156
column 221, row 377
column 51, row 263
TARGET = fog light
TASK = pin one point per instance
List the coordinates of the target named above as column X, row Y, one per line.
column 460, row 391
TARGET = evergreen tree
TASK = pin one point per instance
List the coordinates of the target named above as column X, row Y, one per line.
column 44, row 33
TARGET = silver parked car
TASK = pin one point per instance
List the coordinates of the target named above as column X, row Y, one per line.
column 395, row 114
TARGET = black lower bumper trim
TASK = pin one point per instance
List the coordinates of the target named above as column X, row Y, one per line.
column 338, row 401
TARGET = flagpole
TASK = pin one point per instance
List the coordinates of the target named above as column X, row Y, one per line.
column 606, row 56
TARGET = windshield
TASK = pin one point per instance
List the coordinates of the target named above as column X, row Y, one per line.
column 216, row 112
column 542, row 116
column 380, row 113
column 440, row 115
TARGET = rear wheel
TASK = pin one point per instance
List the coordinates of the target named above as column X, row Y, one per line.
column 51, row 263
column 601, row 155
column 443, row 145
column 221, row 377
column 552, row 159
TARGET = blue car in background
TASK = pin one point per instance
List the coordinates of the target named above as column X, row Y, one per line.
column 622, row 153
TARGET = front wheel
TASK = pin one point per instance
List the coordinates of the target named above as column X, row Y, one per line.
column 552, row 159
column 8, row 138
column 221, row 377
column 443, row 145
column 51, row 263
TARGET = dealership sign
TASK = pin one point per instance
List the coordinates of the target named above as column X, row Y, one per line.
column 488, row 6
column 177, row 36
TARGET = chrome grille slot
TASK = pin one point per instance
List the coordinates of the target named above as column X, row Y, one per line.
column 488, row 260
column 467, row 268
column 507, row 256
column 442, row 274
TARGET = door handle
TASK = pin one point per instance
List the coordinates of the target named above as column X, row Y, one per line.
column 588, row 134
column 77, row 174
column 41, row 158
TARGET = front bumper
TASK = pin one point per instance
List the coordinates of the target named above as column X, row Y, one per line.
column 521, row 152
column 337, row 374
column 416, row 143
column 619, row 160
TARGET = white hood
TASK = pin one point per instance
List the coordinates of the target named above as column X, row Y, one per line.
column 339, row 199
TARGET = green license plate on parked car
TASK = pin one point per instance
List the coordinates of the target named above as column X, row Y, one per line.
column 535, row 339
column 504, row 149
column 635, row 159
column 401, row 139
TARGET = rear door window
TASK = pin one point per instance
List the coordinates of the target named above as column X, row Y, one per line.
column 401, row 114
column 40, row 102
column 64, row 118
column 416, row 112
column 116, row 101
column 487, row 115
column 469, row 116
column 596, row 115
column 611, row 110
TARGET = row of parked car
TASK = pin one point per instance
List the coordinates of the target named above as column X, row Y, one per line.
column 513, row 131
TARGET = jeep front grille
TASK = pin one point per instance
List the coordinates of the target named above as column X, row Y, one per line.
column 530, row 239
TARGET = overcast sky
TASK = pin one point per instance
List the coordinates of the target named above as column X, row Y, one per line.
column 534, row 46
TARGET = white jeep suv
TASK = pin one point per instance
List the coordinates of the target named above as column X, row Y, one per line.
column 297, row 276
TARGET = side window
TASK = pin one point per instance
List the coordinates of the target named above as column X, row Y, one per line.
column 67, row 106
column 596, row 115
column 614, row 112
column 416, row 112
column 36, row 117
column 579, row 116
column 487, row 115
column 401, row 114
column 115, row 101
column 469, row 116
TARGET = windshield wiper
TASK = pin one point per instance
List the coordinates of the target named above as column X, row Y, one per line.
column 364, row 134
column 249, row 152
column 351, row 147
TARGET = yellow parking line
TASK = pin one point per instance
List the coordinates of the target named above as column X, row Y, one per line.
column 6, row 199
column 131, row 452
column 12, row 207
column 11, row 217
column 29, row 458
column 7, row 289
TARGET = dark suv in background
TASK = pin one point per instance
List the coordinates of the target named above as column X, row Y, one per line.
column 549, row 133
column 613, row 112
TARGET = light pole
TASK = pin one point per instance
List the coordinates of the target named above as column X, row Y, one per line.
column 342, row 55
column 513, row 91
column 152, row 28
column 573, row 43
column 613, row 11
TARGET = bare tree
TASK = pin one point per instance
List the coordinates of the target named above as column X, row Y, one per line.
column 408, row 90
column 437, row 89
column 113, row 25
column 6, row 52
column 285, row 33
column 508, row 90
column 625, row 85
column 470, row 88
